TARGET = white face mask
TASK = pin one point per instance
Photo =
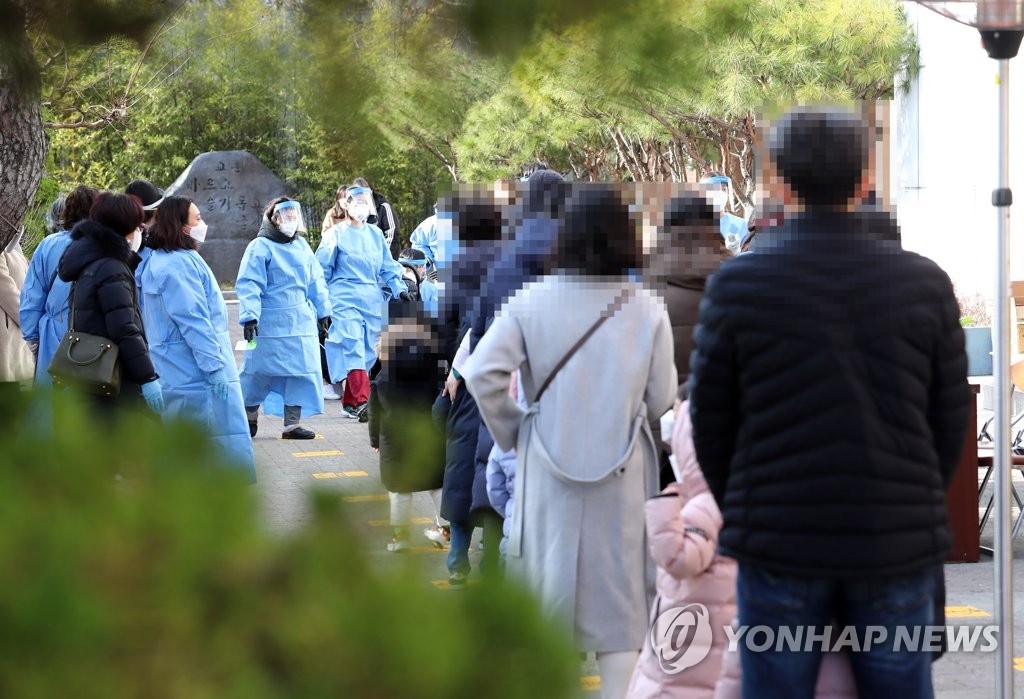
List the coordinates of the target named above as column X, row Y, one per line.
column 359, row 210
column 719, row 199
column 198, row 232
column 288, row 228
column 135, row 240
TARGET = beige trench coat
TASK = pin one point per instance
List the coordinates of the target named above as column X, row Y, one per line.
column 587, row 462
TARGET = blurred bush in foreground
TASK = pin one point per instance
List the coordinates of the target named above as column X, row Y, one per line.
column 134, row 567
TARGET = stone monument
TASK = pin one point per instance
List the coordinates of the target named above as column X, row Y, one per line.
column 231, row 189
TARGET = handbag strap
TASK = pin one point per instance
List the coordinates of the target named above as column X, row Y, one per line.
column 71, row 297
column 608, row 312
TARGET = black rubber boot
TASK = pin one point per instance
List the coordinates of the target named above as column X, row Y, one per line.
column 298, row 433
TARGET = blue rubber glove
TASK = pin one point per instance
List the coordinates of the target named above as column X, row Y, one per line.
column 153, row 392
column 219, row 385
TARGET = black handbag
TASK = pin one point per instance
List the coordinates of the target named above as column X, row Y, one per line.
column 87, row 363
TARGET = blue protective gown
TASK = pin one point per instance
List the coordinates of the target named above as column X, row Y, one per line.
column 281, row 286
column 429, row 296
column 44, row 309
column 186, row 324
column 424, row 238
column 353, row 259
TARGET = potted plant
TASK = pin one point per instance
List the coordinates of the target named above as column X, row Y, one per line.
column 977, row 325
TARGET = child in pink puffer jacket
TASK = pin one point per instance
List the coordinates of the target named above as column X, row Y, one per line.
column 682, row 532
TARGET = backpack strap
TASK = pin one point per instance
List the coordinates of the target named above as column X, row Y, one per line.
column 608, row 312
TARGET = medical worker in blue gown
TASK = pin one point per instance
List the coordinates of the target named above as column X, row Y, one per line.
column 283, row 304
column 44, row 307
column 186, row 324
column 354, row 256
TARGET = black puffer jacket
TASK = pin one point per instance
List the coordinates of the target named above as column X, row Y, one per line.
column 829, row 399
column 412, row 447
column 106, row 303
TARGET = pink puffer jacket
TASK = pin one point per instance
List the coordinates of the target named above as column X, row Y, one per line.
column 682, row 531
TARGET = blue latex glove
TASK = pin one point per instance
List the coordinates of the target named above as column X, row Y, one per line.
column 153, row 392
column 219, row 385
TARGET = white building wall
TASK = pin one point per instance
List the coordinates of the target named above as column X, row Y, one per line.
column 943, row 159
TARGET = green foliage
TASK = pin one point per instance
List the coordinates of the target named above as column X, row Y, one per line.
column 135, row 566
column 413, row 95
column 35, row 222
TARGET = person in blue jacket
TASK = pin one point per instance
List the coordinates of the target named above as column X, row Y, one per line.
column 283, row 305
column 186, row 324
column 353, row 258
column 44, row 307
column 415, row 276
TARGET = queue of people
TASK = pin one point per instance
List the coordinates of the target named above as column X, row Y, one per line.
column 522, row 393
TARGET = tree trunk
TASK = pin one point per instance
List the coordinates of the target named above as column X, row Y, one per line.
column 22, row 138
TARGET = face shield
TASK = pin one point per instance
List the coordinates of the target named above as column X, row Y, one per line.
column 717, row 189
column 287, row 216
column 359, row 203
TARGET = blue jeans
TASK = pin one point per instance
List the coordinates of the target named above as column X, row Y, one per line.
column 458, row 551
column 772, row 600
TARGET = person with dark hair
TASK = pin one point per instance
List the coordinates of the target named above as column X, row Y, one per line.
column 149, row 194
column 530, row 254
column 354, row 256
column 100, row 264
column 423, row 289
column 283, row 306
column 687, row 250
column 535, row 166
column 44, row 298
column 594, row 380
column 336, row 214
column 829, row 402
column 187, row 322
column 475, row 244
column 411, row 447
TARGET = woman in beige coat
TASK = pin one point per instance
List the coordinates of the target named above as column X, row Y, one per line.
column 587, row 461
column 16, row 363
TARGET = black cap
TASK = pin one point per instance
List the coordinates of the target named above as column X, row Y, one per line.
column 149, row 194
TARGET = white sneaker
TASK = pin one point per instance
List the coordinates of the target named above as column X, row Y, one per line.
column 330, row 393
column 439, row 536
column 398, row 546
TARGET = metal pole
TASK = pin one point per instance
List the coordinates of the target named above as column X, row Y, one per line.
column 1003, row 544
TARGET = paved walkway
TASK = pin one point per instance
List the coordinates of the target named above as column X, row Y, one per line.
column 340, row 458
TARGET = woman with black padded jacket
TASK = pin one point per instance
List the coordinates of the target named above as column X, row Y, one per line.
column 100, row 262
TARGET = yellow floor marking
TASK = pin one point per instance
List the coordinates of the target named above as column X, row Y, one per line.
column 319, row 436
column 1018, row 664
column 366, row 498
column 307, row 454
column 341, row 474
column 443, row 584
column 590, row 683
column 964, row 612
column 387, row 522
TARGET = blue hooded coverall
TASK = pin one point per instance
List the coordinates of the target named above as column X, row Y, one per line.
column 281, row 286
column 186, row 324
column 353, row 259
column 44, row 311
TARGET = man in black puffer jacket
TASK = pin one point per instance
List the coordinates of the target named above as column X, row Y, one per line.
column 100, row 261
column 829, row 402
